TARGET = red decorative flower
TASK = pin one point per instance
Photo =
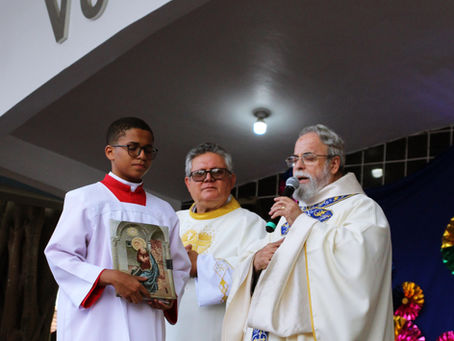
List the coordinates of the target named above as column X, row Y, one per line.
column 447, row 336
column 408, row 311
column 409, row 332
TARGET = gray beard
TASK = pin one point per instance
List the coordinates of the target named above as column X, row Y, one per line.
column 305, row 192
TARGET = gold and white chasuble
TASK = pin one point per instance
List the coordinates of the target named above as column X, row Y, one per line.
column 329, row 280
column 221, row 237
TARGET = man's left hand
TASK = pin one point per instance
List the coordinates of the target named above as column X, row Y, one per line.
column 193, row 258
column 285, row 207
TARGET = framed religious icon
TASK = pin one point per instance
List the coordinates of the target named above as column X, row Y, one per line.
column 143, row 250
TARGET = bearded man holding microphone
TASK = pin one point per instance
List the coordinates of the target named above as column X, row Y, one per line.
column 325, row 272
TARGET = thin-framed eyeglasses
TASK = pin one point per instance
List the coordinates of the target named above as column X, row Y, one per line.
column 216, row 173
column 306, row 158
column 134, row 149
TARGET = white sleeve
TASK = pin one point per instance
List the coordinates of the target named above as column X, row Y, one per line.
column 66, row 251
column 214, row 275
column 181, row 267
column 214, row 278
column 180, row 259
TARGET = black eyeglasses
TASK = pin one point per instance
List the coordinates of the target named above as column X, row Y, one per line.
column 216, row 173
column 307, row 158
column 134, row 149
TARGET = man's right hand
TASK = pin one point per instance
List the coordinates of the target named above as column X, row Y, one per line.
column 263, row 256
column 127, row 286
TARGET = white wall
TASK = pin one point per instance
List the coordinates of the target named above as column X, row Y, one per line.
column 49, row 171
column 30, row 55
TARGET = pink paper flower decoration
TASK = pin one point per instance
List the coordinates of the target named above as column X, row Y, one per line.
column 447, row 336
column 412, row 301
column 410, row 332
column 408, row 311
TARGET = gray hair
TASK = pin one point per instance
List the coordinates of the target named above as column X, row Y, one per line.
column 207, row 147
column 329, row 138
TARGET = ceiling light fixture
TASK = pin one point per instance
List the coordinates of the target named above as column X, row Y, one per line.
column 377, row 172
column 259, row 127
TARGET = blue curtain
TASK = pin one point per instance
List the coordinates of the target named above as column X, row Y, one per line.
column 419, row 207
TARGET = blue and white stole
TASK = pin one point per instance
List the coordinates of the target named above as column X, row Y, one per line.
column 317, row 211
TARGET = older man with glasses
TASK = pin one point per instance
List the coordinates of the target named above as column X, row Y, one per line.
column 216, row 232
column 326, row 272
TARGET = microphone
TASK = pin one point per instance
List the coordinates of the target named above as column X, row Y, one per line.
column 291, row 184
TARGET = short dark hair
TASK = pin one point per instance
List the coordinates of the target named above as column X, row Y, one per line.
column 207, row 147
column 119, row 127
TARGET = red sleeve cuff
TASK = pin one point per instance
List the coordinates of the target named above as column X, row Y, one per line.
column 94, row 294
column 171, row 314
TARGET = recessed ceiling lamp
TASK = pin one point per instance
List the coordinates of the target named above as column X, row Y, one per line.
column 260, row 125
column 377, row 172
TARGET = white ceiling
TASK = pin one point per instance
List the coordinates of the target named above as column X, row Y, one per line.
column 373, row 71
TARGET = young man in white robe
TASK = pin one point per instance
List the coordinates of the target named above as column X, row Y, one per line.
column 326, row 272
column 216, row 231
column 95, row 301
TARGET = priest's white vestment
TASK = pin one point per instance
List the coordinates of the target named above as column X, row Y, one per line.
column 329, row 280
column 220, row 237
column 79, row 250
